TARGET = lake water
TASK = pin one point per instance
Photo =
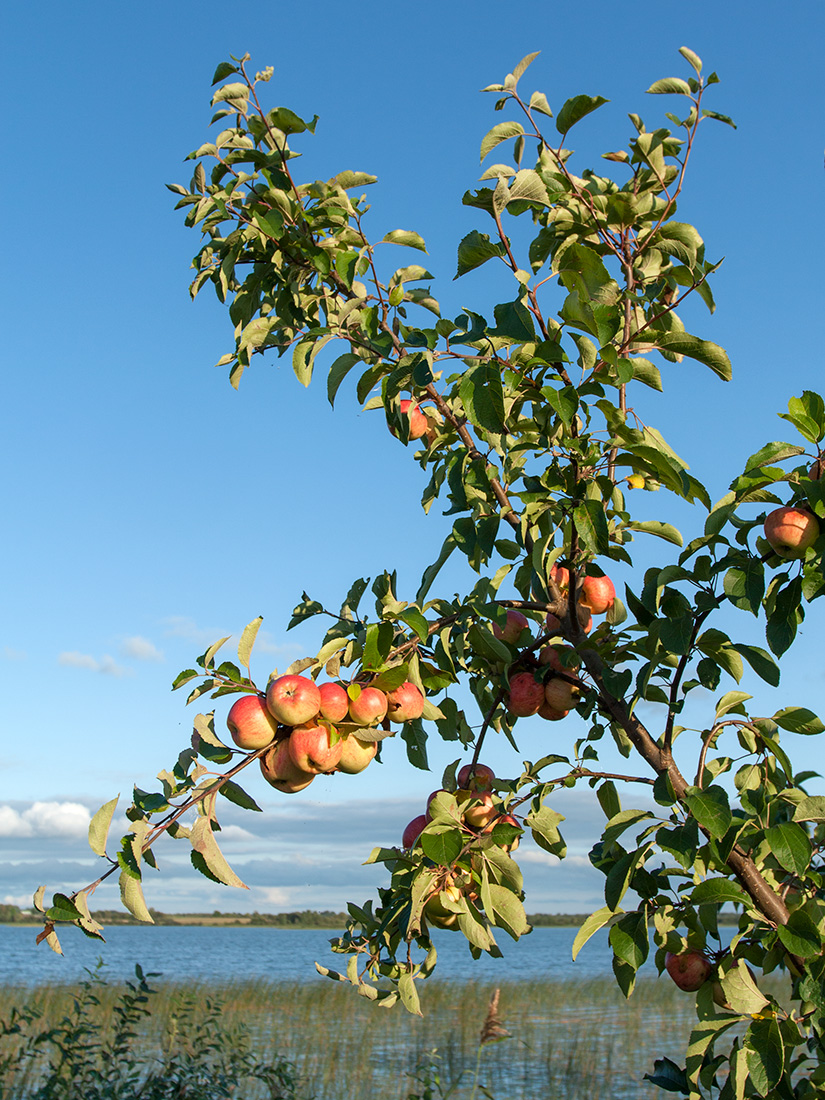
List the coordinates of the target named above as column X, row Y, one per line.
column 282, row 955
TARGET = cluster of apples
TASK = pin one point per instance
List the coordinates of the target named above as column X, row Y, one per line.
column 480, row 813
column 553, row 697
column 313, row 729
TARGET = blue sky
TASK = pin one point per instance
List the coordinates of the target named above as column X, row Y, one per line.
column 150, row 509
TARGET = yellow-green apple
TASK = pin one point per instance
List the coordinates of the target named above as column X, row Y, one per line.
column 597, row 593
column 636, row 481
column 413, row 831
column 404, row 703
column 560, row 658
column 526, row 695
column 250, row 723
column 311, row 747
column 689, row 969
column 476, row 777
column 293, row 700
column 550, row 714
column 355, row 754
column 511, row 631
column 280, row 771
column 790, row 531
column 369, row 708
column 334, row 702
column 436, row 910
column 477, row 808
column 560, row 695
column 416, row 419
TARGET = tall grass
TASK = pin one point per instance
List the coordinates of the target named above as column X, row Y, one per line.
column 570, row 1040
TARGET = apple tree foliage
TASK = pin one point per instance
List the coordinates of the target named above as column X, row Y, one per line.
column 532, row 444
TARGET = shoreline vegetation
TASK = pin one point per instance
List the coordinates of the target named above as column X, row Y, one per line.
column 305, row 918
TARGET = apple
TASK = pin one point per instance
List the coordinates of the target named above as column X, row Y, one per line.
column 526, row 695
column 505, row 819
column 250, row 723
column 369, row 708
column 334, row 702
column 404, row 703
column 312, row 750
column 559, row 695
column 636, row 481
column 584, row 617
column 476, row 777
column 790, row 531
column 817, row 468
column 550, row 714
column 416, row 419
column 281, row 772
column 560, row 576
column 481, row 809
column 511, row 631
column 598, row 594
column 413, row 831
column 552, row 623
column 689, row 969
column 355, row 754
column 437, row 912
column 293, row 700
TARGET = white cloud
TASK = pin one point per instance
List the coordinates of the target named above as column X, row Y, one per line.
column 181, row 626
column 106, row 666
column 45, row 819
column 141, row 649
column 265, row 643
column 22, row 901
column 10, row 654
column 234, row 833
column 273, row 895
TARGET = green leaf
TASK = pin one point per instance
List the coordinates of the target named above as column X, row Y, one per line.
column 710, row 808
column 765, row 1053
column 441, row 844
column 798, row 720
column 238, row 795
column 414, row 737
column 232, row 92
column 544, row 824
column 508, row 912
column 800, row 935
column 347, row 180
column 716, row 891
column 513, row 322
column 664, row 531
column 761, row 662
column 131, row 894
column 502, row 132
column 432, row 571
column 629, row 939
column 693, row 58
column 225, row 69
column 524, row 64
column 790, row 844
column 99, row 827
column 741, row 991
column 703, row 351
column 338, row 372
column 538, row 102
column 416, row 621
column 669, row 85
column 62, row 909
column 730, row 701
column 745, row 586
column 409, row 994
column 575, row 109
column 405, row 237
column 474, row 250
column 592, row 925
column 483, row 397
column 591, row 525
column 811, row 808
column 668, row 1076
column 247, row 640
column 772, row 452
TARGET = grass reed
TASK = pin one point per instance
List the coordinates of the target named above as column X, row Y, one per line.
column 571, row 1040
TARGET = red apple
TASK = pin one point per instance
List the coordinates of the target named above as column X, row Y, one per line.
column 476, row 778
column 369, row 708
column 552, row 623
column 584, row 617
column 293, row 700
column 334, row 702
column 280, row 771
column 413, row 831
column 689, row 969
column 560, row 576
column 416, row 419
column 550, row 714
column 526, row 695
column 311, row 748
column 511, row 632
column 790, row 531
column 817, row 468
column 559, row 695
column 355, row 754
column 404, row 703
column 598, row 594
column 250, row 723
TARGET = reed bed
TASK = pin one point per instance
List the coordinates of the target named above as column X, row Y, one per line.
column 570, row 1040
